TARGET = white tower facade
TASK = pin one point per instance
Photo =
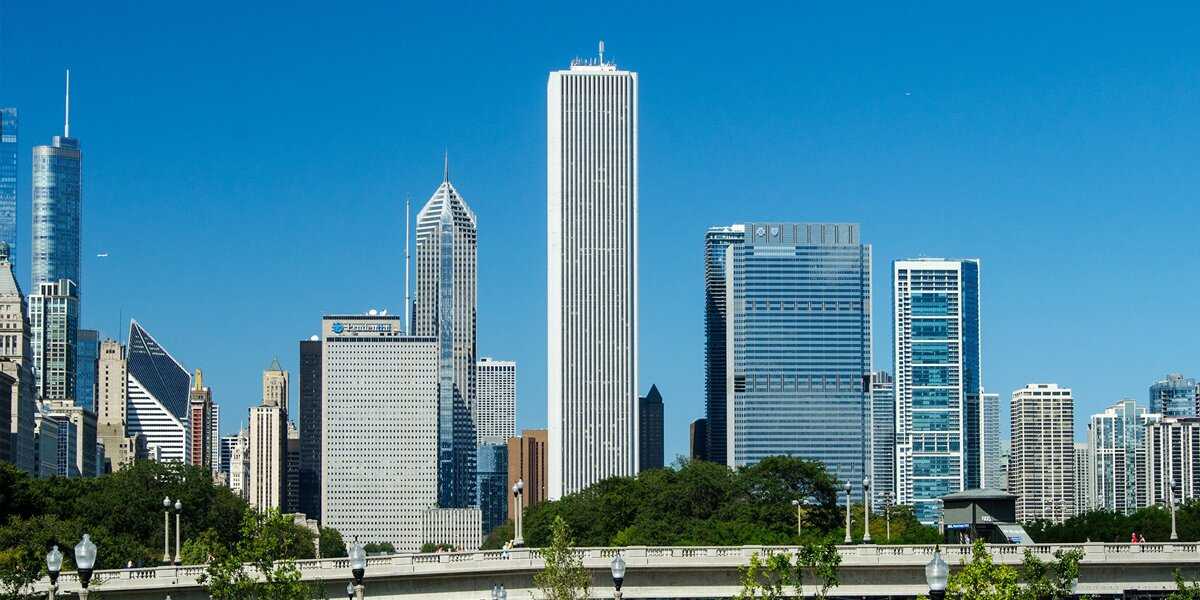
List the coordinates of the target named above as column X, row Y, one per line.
column 496, row 402
column 592, row 318
column 1041, row 467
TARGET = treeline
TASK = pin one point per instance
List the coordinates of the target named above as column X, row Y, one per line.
column 1153, row 523
column 702, row 503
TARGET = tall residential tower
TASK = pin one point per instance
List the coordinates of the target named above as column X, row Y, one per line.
column 716, row 240
column 592, row 277
column 1041, row 470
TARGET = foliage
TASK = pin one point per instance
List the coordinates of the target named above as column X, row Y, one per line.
column 906, row 529
column 1184, row 590
column 1107, row 526
column 769, row 576
column 1050, row 581
column 252, row 569
column 499, row 536
column 983, row 579
column 563, row 577
column 379, row 548
column 332, row 544
column 432, row 547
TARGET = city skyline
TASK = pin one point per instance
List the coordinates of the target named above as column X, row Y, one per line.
column 125, row 285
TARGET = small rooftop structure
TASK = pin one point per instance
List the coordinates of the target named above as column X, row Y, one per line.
column 987, row 514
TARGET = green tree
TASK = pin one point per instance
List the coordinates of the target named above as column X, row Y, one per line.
column 332, row 544
column 1184, row 590
column 770, row 576
column 563, row 577
column 499, row 536
column 1053, row 580
column 253, row 568
column 982, row 579
column 379, row 547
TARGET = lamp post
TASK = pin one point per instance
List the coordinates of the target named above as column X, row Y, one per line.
column 937, row 574
column 941, row 519
column 847, row 488
column 178, row 511
column 1174, row 534
column 498, row 593
column 166, row 531
column 54, row 560
column 350, row 591
column 85, row 559
column 799, row 527
column 887, row 514
column 358, row 566
column 518, row 489
column 866, row 510
column 618, row 575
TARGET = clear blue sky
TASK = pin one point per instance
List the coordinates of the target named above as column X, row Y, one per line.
column 246, row 167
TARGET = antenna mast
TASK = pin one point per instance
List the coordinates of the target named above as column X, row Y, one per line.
column 601, row 51
column 67, row 111
column 407, row 266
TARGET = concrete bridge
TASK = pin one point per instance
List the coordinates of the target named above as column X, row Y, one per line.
column 867, row 571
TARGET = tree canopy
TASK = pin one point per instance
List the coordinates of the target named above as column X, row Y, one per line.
column 1107, row 526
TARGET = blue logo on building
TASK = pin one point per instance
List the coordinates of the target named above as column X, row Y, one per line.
column 338, row 328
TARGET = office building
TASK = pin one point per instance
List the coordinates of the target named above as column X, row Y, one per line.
column 54, row 330
column 112, row 408
column 87, row 352
column 990, row 441
column 379, row 435
column 592, row 276
column 239, row 466
column 157, row 394
column 650, row 430
column 1175, row 396
column 214, row 438
column 936, row 348
column 1083, row 474
column 57, row 207
column 716, row 240
column 16, row 361
column 798, row 333
column 1042, row 460
column 883, row 438
column 458, row 528
column 268, row 442
column 54, row 440
column 698, row 439
column 527, row 462
column 493, row 489
column 7, row 383
column 200, row 422
column 228, row 442
column 310, row 427
column 444, row 308
column 1172, row 461
column 1117, row 442
column 77, row 448
column 291, row 493
column 496, row 400
column 9, row 129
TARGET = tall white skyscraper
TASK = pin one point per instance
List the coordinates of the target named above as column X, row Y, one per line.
column 445, row 308
column 938, row 389
column 1083, row 474
column 592, row 315
column 1042, row 463
column 1172, row 461
column 989, row 442
column 379, row 428
column 496, row 401
column 268, row 441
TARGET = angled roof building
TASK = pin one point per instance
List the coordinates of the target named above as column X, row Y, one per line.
column 157, row 396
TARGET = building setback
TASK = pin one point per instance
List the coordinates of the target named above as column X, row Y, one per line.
column 1175, row 396
column 200, row 421
column 936, row 348
column 54, row 329
column 716, row 240
column 310, row 427
column 650, row 430
column 798, row 334
column 379, row 429
column 592, row 277
column 883, row 439
column 1042, row 460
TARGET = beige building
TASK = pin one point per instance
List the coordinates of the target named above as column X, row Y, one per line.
column 239, row 466
column 1042, row 461
column 527, row 462
column 120, row 450
column 268, row 442
column 16, row 361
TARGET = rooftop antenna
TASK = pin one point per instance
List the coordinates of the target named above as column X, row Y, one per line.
column 67, row 112
column 601, row 51
column 445, row 166
column 407, row 266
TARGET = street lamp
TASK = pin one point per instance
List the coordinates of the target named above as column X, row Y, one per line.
column 941, row 518
column 54, row 560
column 866, row 510
column 518, row 489
column 178, row 511
column 166, row 531
column 847, row 488
column 350, row 591
column 799, row 530
column 937, row 574
column 85, row 559
column 618, row 574
column 358, row 566
column 1174, row 534
column 498, row 593
column 887, row 514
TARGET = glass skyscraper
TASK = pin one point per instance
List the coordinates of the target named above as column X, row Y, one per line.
column 8, row 178
column 57, row 210
column 883, row 438
column 87, row 352
column 798, row 331
column 1117, row 444
column 1175, row 396
column 936, row 346
column 716, row 240
column 54, row 329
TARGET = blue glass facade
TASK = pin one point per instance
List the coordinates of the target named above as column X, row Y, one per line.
column 158, row 372
column 1175, row 396
column 492, row 489
column 8, row 178
column 883, row 438
column 87, row 356
column 57, row 210
column 716, row 240
column 799, row 340
column 938, row 410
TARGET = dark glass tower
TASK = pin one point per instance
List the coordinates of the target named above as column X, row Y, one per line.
column 310, row 428
column 650, row 430
column 715, row 242
column 8, row 178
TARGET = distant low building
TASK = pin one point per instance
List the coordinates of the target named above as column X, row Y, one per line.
column 527, row 462
column 460, row 528
column 699, row 439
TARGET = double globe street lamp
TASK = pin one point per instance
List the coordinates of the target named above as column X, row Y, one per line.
column 167, row 530
column 358, row 567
